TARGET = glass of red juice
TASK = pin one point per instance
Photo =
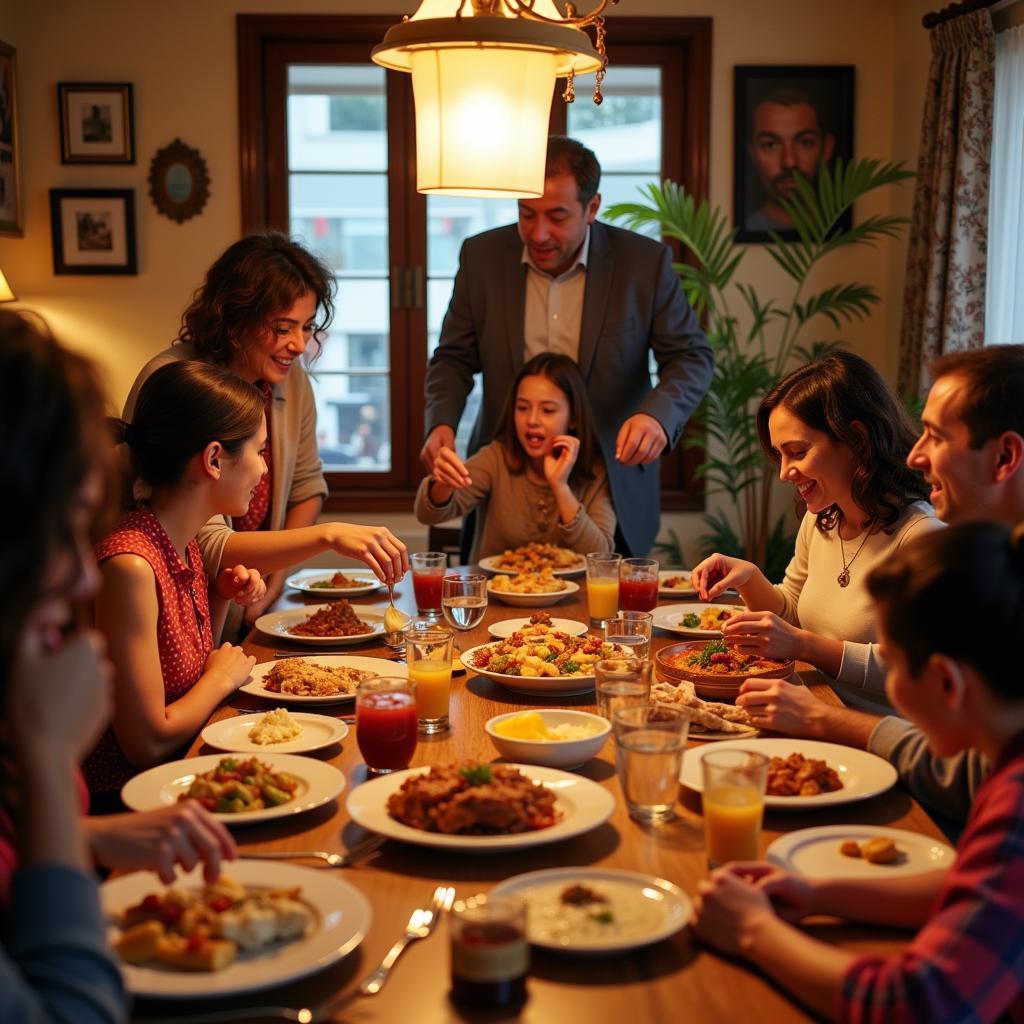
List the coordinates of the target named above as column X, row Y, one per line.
column 386, row 723
column 428, row 569
column 638, row 584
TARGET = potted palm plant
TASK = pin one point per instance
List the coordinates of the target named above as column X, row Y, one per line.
column 774, row 336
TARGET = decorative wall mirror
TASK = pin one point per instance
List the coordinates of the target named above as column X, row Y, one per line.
column 178, row 182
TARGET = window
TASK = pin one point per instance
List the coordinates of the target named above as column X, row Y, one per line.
column 327, row 141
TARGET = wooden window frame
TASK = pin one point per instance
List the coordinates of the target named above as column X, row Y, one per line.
column 267, row 43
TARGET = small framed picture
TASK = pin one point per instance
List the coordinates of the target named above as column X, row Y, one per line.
column 97, row 123
column 787, row 120
column 10, row 154
column 93, row 230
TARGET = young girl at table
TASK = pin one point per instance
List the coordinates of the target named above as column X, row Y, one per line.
column 541, row 479
column 950, row 612
column 840, row 437
column 55, row 698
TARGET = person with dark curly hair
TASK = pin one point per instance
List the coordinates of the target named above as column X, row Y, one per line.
column 266, row 301
column 841, row 438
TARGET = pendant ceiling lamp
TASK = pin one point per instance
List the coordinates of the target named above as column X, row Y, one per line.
column 483, row 73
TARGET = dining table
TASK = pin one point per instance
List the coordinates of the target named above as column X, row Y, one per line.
column 675, row 979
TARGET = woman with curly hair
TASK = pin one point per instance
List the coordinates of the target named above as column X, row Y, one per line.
column 263, row 303
column 841, row 438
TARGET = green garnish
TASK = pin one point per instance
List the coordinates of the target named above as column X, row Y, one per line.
column 552, row 656
column 712, row 647
column 603, row 917
column 476, row 774
column 691, row 621
column 570, row 667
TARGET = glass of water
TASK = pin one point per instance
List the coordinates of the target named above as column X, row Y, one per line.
column 464, row 599
column 649, row 744
column 632, row 630
column 621, row 681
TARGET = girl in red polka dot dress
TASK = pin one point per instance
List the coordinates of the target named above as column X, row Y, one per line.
column 197, row 440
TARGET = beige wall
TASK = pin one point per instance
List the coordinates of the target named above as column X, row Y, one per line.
column 180, row 58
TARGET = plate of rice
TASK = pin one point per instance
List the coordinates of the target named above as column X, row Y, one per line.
column 280, row 731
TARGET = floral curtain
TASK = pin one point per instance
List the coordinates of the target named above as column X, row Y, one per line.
column 944, row 296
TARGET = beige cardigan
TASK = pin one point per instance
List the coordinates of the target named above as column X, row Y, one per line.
column 297, row 471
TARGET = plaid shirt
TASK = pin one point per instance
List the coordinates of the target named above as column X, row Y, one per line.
column 967, row 962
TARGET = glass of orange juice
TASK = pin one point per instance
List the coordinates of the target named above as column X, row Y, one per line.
column 429, row 654
column 602, row 586
column 733, row 798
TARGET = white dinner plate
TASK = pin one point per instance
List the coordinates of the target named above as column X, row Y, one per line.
column 319, row 783
column 341, row 919
column 666, row 907
column 684, row 591
column 863, row 775
column 507, row 627
column 541, row 686
column 256, row 684
column 814, row 852
column 489, row 565
column 669, row 618
column 232, row 734
column 276, row 624
column 533, row 600
column 584, row 805
column 304, row 581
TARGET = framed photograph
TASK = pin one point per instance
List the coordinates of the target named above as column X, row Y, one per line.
column 97, row 123
column 93, row 230
column 787, row 120
column 10, row 154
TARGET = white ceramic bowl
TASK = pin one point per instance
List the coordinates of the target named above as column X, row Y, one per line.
column 552, row 753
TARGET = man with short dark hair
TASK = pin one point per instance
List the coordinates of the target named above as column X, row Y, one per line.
column 562, row 281
column 971, row 452
column 786, row 136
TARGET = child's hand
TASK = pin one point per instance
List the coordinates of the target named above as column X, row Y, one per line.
column 241, row 585
column 728, row 909
column 450, row 470
column 558, row 464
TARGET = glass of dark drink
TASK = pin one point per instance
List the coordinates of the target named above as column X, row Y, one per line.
column 428, row 569
column 387, row 727
column 490, row 951
column 638, row 584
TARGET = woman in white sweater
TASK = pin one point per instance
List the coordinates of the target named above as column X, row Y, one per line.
column 841, row 438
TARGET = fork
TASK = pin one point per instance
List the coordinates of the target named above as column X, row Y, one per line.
column 421, row 923
column 334, row 860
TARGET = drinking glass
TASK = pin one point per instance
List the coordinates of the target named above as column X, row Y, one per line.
column 490, row 951
column 428, row 569
column 733, row 799
column 632, row 630
column 638, row 584
column 602, row 586
column 649, row 744
column 429, row 654
column 620, row 682
column 386, row 731
column 464, row 599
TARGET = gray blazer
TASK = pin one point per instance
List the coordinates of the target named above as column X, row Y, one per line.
column 633, row 304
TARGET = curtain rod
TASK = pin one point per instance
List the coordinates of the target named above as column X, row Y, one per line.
column 955, row 11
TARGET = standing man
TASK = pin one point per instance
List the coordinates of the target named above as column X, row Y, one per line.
column 786, row 136
column 564, row 282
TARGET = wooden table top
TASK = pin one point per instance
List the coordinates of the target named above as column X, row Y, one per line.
column 666, row 981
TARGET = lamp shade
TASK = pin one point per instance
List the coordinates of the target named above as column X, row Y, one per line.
column 482, row 86
column 6, row 291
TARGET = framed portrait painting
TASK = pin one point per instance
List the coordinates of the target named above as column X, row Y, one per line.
column 787, row 121
column 10, row 153
column 97, row 123
column 93, row 230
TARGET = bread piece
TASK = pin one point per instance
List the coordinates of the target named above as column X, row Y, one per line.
column 851, row 848
column 208, row 955
column 880, row 850
column 140, row 942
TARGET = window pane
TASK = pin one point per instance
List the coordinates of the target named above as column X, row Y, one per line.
column 337, row 118
column 337, row 142
column 452, row 219
column 353, row 421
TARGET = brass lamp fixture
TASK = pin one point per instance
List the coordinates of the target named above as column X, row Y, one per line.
column 483, row 72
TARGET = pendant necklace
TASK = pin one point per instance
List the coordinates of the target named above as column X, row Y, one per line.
column 843, row 579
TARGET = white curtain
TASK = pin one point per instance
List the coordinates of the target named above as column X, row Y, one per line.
column 1004, row 301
